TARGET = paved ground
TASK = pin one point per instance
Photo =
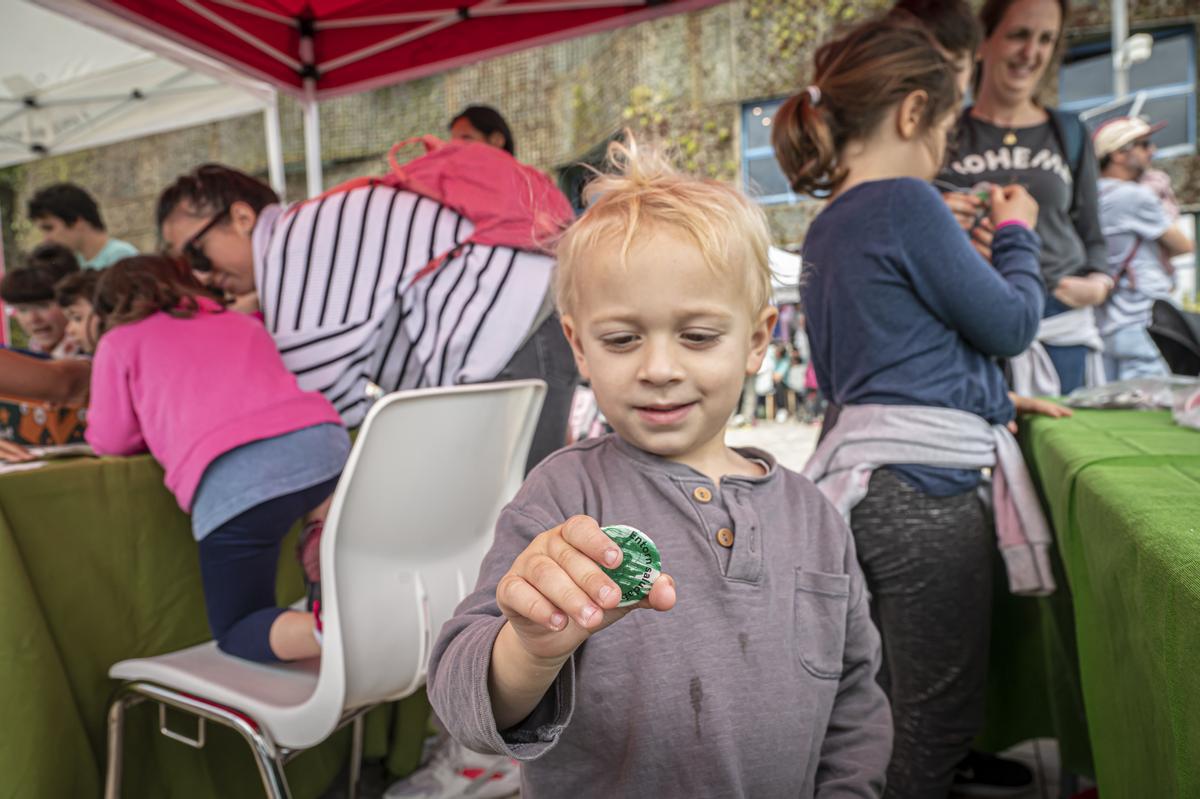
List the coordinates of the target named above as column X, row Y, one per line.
column 790, row 442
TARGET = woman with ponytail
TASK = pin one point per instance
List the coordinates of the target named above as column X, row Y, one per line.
column 904, row 320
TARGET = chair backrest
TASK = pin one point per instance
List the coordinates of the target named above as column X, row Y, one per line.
column 412, row 517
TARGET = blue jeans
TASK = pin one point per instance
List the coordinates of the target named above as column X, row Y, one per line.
column 1069, row 362
column 1130, row 352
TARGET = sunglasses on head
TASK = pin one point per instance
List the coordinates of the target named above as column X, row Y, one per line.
column 192, row 254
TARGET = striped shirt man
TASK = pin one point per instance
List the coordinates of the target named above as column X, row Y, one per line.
column 339, row 288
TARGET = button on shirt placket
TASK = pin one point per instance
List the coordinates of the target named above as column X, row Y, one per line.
column 713, row 517
column 732, row 528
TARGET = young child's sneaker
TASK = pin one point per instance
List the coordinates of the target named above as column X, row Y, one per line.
column 455, row 771
column 308, row 552
column 985, row 775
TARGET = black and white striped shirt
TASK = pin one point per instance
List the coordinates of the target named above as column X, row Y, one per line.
column 336, row 285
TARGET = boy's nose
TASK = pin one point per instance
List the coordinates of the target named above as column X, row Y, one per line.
column 659, row 364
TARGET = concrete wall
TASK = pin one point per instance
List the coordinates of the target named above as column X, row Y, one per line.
column 681, row 79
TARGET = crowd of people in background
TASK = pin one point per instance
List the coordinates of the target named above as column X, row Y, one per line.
column 949, row 282
column 784, row 387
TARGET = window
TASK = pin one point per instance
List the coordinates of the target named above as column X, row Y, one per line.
column 762, row 178
column 1165, row 86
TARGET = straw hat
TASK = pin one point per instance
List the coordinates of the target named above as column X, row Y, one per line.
column 1120, row 131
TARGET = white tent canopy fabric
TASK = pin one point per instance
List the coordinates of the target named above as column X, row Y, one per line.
column 67, row 85
column 785, row 276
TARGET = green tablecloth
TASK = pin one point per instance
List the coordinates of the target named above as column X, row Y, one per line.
column 98, row 564
column 1123, row 490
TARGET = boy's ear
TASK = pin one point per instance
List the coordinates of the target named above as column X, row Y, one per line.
column 760, row 338
column 572, row 334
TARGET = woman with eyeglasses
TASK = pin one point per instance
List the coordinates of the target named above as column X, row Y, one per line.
column 214, row 210
column 1008, row 136
column 374, row 285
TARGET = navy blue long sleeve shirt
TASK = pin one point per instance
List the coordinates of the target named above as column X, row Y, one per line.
column 901, row 310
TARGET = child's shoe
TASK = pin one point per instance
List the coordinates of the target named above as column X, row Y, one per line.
column 308, row 552
column 455, row 771
column 982, row 774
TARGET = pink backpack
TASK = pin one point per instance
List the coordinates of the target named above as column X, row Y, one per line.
column 509, row 203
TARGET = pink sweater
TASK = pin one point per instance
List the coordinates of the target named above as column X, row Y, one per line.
column 190, row 390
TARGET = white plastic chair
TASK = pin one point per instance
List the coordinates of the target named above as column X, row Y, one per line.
column 411, row 519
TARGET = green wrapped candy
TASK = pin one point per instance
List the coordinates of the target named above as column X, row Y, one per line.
column 640, row 564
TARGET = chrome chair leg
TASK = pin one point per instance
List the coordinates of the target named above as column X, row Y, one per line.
column 274, row 779
column 116, row 741
column 267, row 755
column 356, row 755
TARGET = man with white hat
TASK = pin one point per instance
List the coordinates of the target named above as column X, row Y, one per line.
column 1141, row 240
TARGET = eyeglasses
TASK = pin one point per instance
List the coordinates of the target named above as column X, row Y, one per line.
column 192, row 254
column 1144, row 144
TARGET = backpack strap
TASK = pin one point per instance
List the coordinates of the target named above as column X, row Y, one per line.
column 1125, row 271
column 1069, row 131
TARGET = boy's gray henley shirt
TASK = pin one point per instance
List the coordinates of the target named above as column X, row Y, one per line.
column 760, row 682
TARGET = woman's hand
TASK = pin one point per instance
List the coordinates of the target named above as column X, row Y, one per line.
column 243, row 303
column 12, row 452
column 1081, row 292
column 1042, row 407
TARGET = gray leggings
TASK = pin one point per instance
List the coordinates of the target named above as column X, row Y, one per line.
column 928, row 564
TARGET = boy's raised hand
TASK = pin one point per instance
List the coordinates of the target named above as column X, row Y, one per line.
column 555, row 595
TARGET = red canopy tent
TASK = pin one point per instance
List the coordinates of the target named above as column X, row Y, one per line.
column 315, row 49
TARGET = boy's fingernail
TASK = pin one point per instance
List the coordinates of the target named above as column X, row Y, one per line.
column 610, row 556
column 605, row 593
column 558, row 621
column 588, row 613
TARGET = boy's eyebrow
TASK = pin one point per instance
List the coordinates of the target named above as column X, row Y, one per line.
column 685, row 315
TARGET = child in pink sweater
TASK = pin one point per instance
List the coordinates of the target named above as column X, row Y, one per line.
column 245, row 451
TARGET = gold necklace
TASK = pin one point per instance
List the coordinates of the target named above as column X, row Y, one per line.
column 1010, row 136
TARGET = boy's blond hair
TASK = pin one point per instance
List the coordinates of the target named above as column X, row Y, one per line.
column 644, row 193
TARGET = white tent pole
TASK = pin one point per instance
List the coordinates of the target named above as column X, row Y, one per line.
column 312, row 142
column 312, row 116
column 275, row 148
column 1120, row 32
column 3, row 311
